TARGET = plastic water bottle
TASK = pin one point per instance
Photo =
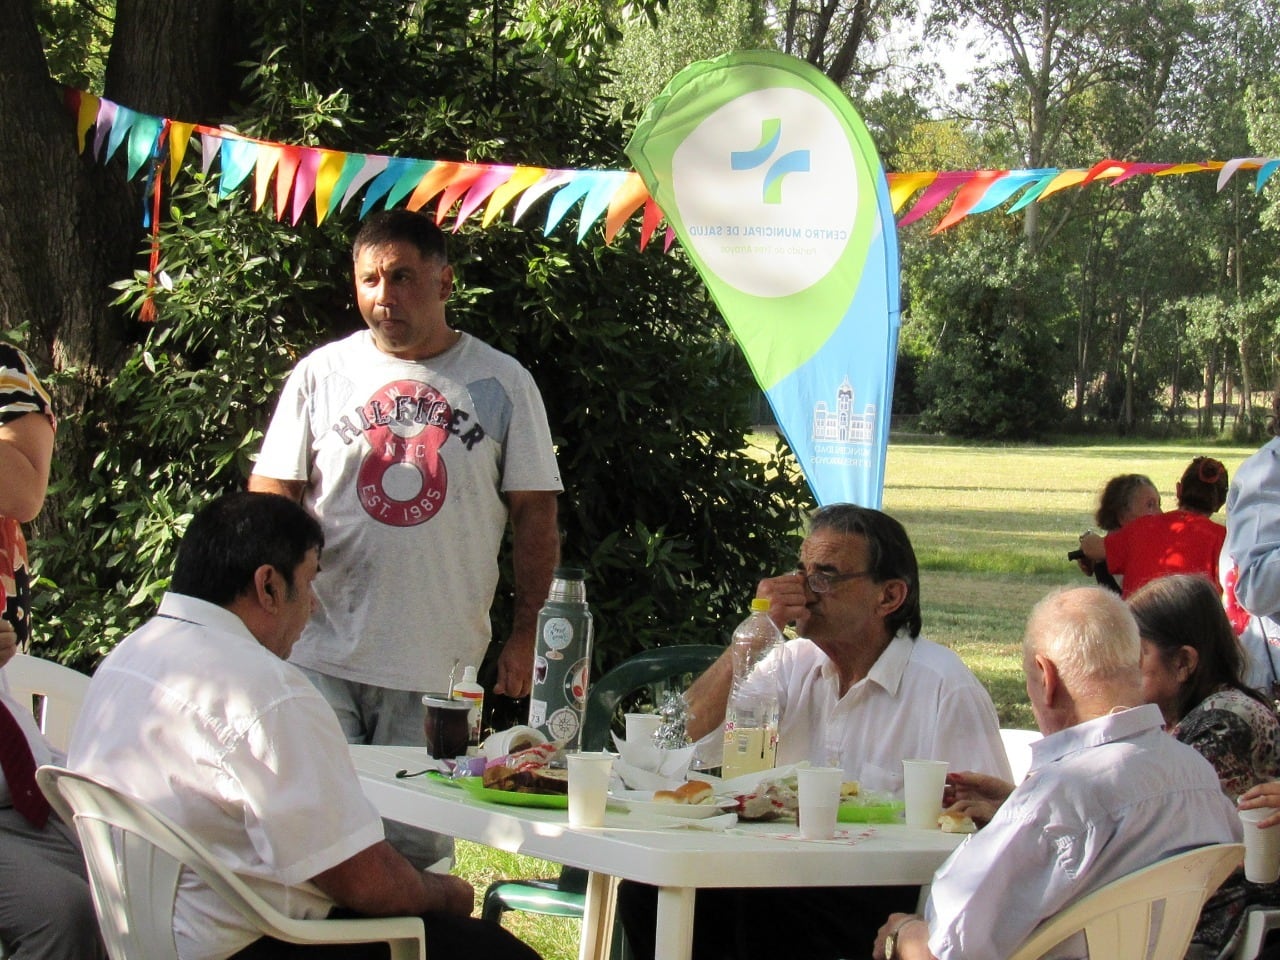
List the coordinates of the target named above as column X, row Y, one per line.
column 751, row 716
column 469, row 690
column 562, row 660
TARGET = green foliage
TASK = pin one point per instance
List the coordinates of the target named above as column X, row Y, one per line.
column 77, row 36
column 990, row 372
column 182, row 417
column 653, row 50
column 647, row 397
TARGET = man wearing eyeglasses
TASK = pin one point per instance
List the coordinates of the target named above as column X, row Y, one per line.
column 857, row 688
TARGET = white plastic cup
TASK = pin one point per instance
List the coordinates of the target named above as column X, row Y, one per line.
column 819, row 801
column 1261, row 847
column 505, row 742
column 641, row 727
column 922, row 784
column 588, row 788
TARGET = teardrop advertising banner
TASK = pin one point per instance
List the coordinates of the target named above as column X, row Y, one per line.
column 770, row 181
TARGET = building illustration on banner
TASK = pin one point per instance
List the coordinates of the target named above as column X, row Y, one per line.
column 842, row 425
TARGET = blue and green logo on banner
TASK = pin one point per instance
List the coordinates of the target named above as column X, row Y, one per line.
column 772, row 184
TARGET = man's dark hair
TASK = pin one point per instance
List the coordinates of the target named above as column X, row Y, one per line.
column 402, row 226
column 230, row 538
column 889, row 554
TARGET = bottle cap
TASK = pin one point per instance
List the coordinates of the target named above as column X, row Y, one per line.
column 569, row 573
column 468, row 674
column 760, row 603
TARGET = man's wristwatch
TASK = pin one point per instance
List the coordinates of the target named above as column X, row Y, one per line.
column 891, row 941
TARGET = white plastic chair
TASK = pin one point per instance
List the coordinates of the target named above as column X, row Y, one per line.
column 1017, row 747
column 51, row 691
column 135, row 855
column 1117, row 919
column 1257, row 923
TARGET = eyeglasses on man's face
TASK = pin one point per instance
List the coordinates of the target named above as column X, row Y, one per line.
column 822, row 582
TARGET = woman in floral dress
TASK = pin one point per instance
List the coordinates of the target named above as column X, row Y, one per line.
column 1191, row 669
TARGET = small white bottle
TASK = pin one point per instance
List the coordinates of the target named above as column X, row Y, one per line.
column 468, row 689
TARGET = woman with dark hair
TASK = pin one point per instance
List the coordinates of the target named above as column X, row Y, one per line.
column 1184, row 540
column 1125, row 497
column 1191, row 669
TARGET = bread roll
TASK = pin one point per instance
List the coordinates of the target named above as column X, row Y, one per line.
column 957, row 823
column 693, row 791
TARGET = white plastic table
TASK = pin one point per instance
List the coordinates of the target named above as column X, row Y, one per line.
column 677, row 861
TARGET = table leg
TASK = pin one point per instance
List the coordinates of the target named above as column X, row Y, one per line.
column 597, row 917
column 674, row 938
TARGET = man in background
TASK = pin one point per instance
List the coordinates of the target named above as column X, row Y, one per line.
column 1250, row 563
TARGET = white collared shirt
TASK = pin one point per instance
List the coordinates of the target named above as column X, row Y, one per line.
column 1102, row 799
column 196, row 718
column 919, row 701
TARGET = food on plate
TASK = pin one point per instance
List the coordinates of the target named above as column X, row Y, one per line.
column 544, row 780
column 527, row 771
column 952, row 822
column 692, row 791
column 770, row 800
column 778, row 798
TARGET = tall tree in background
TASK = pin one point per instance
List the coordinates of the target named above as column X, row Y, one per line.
column 653, row 49
column 1050, row 64
column 70, row 227
column 839, row 36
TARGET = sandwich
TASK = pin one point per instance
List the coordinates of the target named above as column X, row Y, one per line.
column 527, row 771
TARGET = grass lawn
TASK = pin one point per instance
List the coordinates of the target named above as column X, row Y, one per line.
column 991, row 526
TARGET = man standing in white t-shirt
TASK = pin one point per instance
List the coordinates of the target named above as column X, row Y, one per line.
column 413, row 444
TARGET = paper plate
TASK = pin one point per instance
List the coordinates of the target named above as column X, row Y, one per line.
column 641, row 801
column 476, row 788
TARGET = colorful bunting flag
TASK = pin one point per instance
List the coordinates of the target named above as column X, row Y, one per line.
column 329, row 180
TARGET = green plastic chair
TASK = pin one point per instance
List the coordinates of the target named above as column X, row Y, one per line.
column 565, row 896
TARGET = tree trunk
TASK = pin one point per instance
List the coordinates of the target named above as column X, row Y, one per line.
column 1210, row 385
column 70, row 226
column 1226, row 400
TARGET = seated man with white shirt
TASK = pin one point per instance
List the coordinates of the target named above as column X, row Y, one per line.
column 198, row 714
column 858, row 688
column 1108, row 793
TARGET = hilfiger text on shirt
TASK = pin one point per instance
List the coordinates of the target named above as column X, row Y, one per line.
column 402, row 480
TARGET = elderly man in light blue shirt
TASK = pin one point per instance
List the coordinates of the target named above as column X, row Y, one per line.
column 1109, row 792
